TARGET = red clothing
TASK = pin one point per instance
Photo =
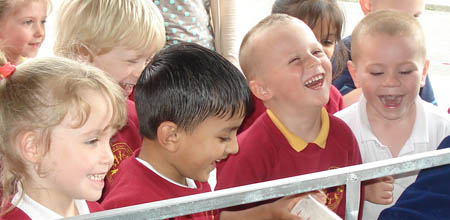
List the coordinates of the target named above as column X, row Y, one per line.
column 18, row 214
column 265, row 155
column 124, row 143
column 335, row 104
column 135, row 184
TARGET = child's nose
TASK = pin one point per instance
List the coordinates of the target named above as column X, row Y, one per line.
column 312, row 61
column 39, row 30
column 232, row 147
column 391, row 80
column 107, row 155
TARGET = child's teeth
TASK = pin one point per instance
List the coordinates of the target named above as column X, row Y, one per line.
column 96, row 177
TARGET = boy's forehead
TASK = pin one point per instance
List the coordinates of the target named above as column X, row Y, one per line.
column 412, row 7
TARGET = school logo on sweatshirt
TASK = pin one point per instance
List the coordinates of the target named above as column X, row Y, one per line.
column 334, row 195
column 121, row 151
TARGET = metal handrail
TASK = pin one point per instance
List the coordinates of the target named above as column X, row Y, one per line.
column 351, row 176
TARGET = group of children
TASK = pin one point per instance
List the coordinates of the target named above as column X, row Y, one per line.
column 122, row 122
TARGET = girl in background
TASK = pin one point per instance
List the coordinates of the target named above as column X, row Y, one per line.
column 23, row 28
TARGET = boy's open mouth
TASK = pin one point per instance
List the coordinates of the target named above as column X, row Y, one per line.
column 315, row 82
column 391, row 101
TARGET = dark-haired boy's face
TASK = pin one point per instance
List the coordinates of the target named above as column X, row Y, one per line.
column 211, row 141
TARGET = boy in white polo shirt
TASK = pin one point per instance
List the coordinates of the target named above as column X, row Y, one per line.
column 390, row 120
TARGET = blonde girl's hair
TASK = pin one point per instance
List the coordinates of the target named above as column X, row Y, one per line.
column 36, row 98
column 94, row 27
column 7, row 5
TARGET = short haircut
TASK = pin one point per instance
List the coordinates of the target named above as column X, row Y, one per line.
column 388, row 22
column 313, row 12
column 247, row 51
column 187, row 83
column 37, row 97
column 97, row 26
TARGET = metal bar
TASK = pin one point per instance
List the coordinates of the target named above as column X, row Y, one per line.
column 352, row 197
column 277, row 188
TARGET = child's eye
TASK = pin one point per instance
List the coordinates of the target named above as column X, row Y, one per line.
column 28, row 22
column 376, row 73
column 224, row 139
column 317, row 52
column 405, row 72
column 293, row 60
column 327, row 43
column 43, row 21
column 132, row 61
column 92, row 141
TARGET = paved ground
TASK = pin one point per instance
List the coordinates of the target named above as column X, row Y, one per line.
column 435, row 21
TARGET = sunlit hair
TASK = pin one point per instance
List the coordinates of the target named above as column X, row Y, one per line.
column 246, row 52
column 391, row 23
column 10, row 6
column 94, row 27
column 315, row 12
column 187, row 83
column 36, row 98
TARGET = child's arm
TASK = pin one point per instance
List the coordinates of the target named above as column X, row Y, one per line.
column 280, row 209
column 379, row 191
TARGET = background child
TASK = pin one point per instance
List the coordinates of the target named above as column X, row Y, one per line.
column 295, row 135
column 326, row 20
column 119, row 37
column 56, row 120
column 390, row 65
column 190, row 102
column 23, row 28
column 427, row 198
column 345, row 83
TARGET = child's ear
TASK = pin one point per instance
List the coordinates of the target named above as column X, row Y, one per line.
column 259, row 90
column 168, row 135
column 424, row 73
column 29, row 147
column 366, row 6
column 85, row 54
column 352, row 70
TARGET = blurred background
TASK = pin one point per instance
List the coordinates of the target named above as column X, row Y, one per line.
column 435, row 21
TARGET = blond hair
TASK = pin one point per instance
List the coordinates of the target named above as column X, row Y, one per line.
column 247, row 50
column 7, row 5
column 97, row 26
column 388, row 22
column 36, row 98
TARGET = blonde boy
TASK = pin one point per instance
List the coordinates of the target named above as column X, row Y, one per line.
column 119, row 37
column 288, row 70
column 390, row 65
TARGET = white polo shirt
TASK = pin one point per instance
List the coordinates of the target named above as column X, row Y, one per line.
column 431, row 126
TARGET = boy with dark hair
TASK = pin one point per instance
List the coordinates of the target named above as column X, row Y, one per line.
column 190, row 103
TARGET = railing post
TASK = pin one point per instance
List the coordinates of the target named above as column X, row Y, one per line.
column 352, row 197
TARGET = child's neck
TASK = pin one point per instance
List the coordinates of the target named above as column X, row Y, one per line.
column 304, row 123
column 392, row 133
column 158, row 158
column 55, row 201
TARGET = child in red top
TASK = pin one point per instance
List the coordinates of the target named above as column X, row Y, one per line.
column 119, row 37
column 326, row 20
column 296, row 135
column 23, row 28
column 190, row 102
column 57, row 117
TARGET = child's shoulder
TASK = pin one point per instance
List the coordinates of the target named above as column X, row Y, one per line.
column 16, row 214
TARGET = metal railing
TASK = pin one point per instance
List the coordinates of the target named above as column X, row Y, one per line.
column 351, row 176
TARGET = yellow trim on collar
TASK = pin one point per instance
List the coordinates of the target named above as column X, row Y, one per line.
column 297, row 143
